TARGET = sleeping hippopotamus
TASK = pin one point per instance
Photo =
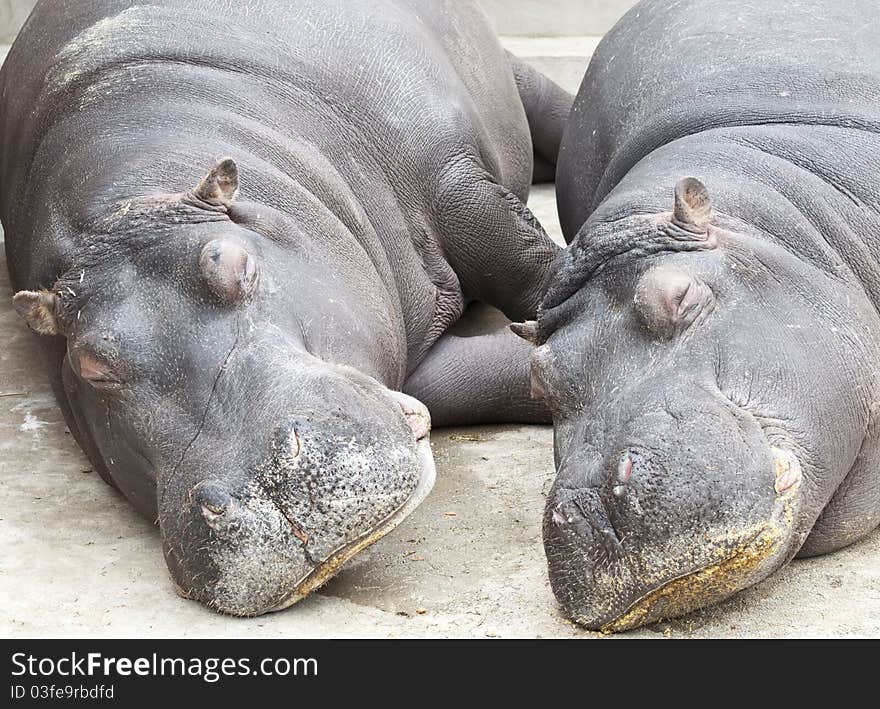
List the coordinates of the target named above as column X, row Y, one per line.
column 241, row 229
column 708, row 342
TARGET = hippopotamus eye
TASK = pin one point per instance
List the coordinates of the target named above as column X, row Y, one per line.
column 96, row 371
column 229, row 270
column 669, row 299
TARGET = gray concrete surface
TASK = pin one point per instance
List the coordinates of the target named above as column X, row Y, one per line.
column 78, row 562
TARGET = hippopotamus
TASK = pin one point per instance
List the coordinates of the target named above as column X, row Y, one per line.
column 708, row 340
column 243, row 232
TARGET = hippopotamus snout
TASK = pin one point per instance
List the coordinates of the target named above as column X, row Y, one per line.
column 688, row 504
column 260, row 537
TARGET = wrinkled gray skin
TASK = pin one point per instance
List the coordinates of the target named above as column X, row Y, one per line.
column 241, row 228
column 709, row 339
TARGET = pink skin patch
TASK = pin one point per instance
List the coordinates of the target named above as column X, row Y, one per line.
column 625, row 470
column 787, row 469
column 536, row 391
column 785, row 481
column 91, row 368
column 94, row 371
column 419, row 424
column 415, row 412
column 624, row 473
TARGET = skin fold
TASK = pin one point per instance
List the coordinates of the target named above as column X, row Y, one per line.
column 707, row 342
column 240, row 230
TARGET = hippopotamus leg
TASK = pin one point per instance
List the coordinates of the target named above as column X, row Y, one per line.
column 495, row 245
column 478, row 372
column 547, row 107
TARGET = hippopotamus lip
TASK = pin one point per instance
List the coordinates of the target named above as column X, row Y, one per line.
column 746, row 563
column 731, row 574
column 327, row 569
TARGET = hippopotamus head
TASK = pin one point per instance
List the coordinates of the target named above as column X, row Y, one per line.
column 204, row 385
column 701, row 420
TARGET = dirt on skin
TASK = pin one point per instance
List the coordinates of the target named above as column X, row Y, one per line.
column 469, row 562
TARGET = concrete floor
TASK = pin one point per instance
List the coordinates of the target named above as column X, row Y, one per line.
column 78, row 562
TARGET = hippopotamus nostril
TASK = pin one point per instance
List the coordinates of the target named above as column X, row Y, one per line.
column 295, row 446
column 624, row 469
column 568, row 516
column 624, row 473
column 559, row 517
column 213, row 501
column 211, row 512
column 585, row 515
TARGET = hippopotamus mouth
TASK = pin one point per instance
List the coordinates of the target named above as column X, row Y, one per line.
column 740, row 564
column 675, row 579
column 331, row 565
column 256, row 538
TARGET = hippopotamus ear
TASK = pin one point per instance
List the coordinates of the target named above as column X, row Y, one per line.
column 527, row 330
column 693, row 206
column 220, row 185
column 39, row 310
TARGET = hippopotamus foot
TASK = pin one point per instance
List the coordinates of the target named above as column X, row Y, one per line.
column 497, row 248
column 478, row 372
column 547, row 106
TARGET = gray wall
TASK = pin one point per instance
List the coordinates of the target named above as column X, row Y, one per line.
column 12, row 15
column 510, row 17
column 554, row 18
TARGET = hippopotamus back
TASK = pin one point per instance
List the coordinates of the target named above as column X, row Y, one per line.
column 111, row 82
column 706, row 66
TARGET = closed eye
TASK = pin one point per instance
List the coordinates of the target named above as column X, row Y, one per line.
column 104, row 383
column 96, row 372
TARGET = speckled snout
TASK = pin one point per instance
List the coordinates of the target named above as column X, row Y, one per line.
column 251, row 541
column 688, row 504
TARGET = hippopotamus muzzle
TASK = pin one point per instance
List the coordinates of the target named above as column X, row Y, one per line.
column 693, row 500
column 327, row 486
